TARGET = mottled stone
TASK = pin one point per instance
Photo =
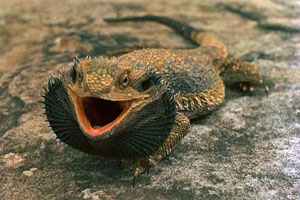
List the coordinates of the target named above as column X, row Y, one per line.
column 95, row 197
column 247, row 149
column 33, row 169
column 13, row 160
column 28, row 173
column 87, row 194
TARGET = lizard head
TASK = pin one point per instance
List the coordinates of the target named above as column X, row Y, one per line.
column 105, row 91
column 109, row 99
column 111, row 79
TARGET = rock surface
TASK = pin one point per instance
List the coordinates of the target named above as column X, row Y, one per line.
column 247, row 149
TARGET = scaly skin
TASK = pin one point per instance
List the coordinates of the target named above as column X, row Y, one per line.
column 138, row 106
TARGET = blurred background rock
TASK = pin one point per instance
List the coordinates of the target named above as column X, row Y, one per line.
column 247, row 149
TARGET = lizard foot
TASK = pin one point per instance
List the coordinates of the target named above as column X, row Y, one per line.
column 249, row 87
column 142, row 166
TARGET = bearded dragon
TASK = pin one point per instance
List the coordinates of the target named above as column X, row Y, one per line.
column 138, row 106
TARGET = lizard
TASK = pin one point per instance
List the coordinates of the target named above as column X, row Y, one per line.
column 138, row 106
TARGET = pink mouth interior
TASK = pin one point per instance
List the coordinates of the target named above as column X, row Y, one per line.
column 98, row 116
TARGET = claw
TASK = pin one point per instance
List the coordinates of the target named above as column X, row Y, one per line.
column 245, row 87
column 133, row 181
column 266, row 90
column 141, row 167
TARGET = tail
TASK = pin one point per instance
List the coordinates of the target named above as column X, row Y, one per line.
column 181, row 28
column 197, row 36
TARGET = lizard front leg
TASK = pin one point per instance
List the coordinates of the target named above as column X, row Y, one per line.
column 180, row 129
column 246, row 75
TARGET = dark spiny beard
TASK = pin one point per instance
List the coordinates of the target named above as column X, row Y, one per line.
column 139, row 135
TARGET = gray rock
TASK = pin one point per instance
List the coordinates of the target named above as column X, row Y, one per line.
column 247, row 149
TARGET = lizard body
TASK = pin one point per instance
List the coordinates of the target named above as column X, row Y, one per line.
column 138, row 106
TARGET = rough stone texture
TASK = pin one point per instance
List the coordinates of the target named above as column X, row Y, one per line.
column 13, row 160
column 247, row 149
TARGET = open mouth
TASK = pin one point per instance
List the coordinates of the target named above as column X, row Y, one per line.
column 98, row 116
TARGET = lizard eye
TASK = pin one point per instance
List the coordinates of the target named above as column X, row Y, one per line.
column 124, row 81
